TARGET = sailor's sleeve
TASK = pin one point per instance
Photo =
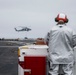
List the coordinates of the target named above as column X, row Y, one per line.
column 74, row 39
column 46, row 39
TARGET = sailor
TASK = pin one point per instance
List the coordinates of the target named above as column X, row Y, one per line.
column 62, row 41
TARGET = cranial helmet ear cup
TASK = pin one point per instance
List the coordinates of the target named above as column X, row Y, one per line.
column 56, row 20
column 66, row 21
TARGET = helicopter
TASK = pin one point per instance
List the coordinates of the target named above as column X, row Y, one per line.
column 22, row 29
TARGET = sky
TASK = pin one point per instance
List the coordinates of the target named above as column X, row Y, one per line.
column 38, row 15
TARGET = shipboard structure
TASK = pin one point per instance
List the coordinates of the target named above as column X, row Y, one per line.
column 33, row 59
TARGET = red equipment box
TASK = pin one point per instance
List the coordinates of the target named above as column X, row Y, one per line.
column 35, row 65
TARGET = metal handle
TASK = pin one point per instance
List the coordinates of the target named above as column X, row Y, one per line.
column 27, row 70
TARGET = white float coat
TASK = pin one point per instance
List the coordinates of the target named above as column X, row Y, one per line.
column 61, row 43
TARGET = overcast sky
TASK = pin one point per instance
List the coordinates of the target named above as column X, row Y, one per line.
column 36, row 14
